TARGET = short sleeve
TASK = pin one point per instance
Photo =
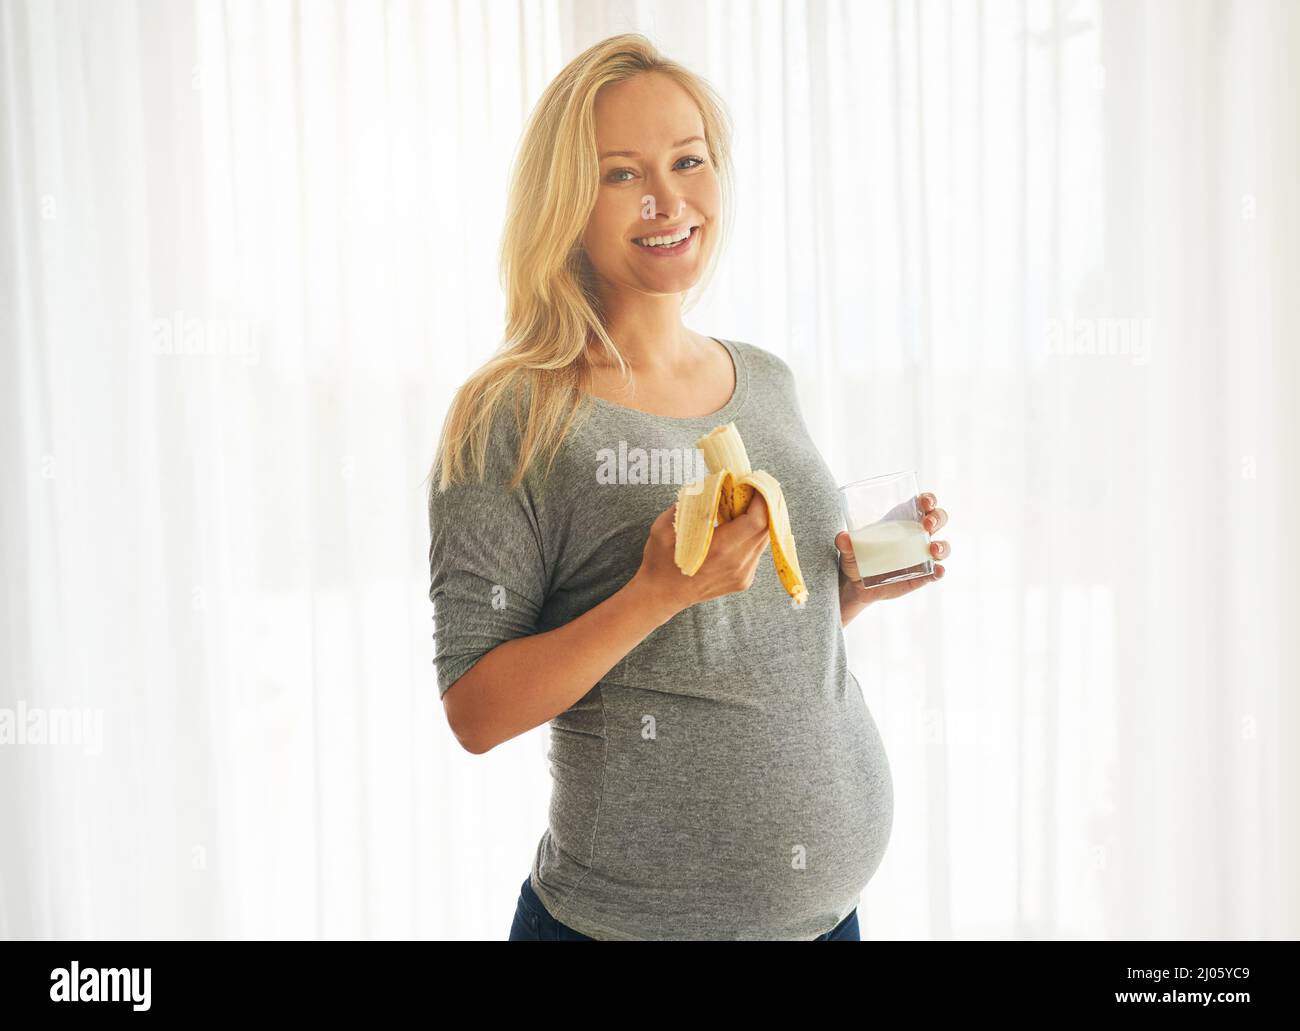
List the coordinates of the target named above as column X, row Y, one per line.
column 486, row 564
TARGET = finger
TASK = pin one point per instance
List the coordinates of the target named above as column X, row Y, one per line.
column 927, row 501
column 936, row 520
column 749, row 528
column 904, row 587
column 918, row 583
column 940, row 549
column 844, row 545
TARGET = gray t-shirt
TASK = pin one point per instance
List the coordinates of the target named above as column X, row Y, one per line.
column 725, row 780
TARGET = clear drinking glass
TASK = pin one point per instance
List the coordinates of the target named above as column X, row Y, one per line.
column 883, row 517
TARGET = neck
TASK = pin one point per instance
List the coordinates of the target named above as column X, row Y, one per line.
column 648, row 332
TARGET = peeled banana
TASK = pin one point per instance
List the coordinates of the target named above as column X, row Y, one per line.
column 725, row 494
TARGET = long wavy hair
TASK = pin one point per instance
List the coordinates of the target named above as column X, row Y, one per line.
column 543, row 369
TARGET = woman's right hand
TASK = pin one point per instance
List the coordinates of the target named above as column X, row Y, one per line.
column 729, row 567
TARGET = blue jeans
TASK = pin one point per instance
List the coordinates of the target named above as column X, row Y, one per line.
column 533, row 923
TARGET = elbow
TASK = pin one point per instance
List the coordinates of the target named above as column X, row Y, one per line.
column 471, row 744
column 466, row 735
column 467, row 740
column 462, row 725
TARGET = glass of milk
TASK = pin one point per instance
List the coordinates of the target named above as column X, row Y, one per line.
column 883, row 517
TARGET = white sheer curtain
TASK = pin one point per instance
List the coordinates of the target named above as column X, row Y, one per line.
column 248, row 253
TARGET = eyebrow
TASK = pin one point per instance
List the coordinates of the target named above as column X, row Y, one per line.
column 637, row 154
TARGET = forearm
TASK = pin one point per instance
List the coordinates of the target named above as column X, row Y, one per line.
column 528, row 681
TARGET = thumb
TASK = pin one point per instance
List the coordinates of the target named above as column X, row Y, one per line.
column 848, row 559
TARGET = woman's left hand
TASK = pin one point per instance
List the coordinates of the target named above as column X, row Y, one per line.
column 854, row 596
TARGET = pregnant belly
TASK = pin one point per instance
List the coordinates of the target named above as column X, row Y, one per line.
column 714, row 815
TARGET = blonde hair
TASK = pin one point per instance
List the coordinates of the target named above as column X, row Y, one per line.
column 552, row 307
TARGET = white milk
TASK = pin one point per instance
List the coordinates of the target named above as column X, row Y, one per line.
column 888, row 547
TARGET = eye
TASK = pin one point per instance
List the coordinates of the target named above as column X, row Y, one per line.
column 610, row 177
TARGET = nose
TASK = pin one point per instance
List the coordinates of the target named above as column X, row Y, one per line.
column 652, row 209
column 663, row 197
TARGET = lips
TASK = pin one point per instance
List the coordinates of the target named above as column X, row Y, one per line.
column 675, row 249
column 665, row 231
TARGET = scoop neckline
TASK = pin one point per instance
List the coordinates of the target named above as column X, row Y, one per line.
column 724, row 414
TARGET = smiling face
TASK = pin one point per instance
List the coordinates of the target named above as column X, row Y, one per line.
column 668, row 183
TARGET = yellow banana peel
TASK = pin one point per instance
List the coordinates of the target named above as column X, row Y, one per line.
column 724, row 494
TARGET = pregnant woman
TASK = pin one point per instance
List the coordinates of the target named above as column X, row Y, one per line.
column 716, row 773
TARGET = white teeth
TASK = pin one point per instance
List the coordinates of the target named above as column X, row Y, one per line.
column 664, row 241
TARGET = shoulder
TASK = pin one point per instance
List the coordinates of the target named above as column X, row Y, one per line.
column 762, row 362
column 495, row 431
